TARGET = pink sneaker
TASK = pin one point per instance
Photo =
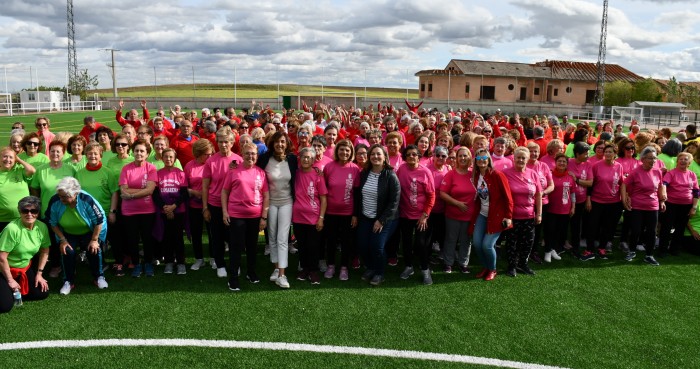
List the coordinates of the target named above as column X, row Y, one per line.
column 330, row 272
column 344, row 274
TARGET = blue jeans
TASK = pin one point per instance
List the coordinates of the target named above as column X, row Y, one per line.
column 371, row 245
column 68, row 260
column 484, row 243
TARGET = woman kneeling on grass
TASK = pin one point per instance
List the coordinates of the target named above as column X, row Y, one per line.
column 245, row 202
column 78, row 220
column 308, row 214
column 19, row 242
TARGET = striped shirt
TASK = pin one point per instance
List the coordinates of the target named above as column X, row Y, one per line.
column 369, row 195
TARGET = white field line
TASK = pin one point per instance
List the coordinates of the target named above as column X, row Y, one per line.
column 278, row 346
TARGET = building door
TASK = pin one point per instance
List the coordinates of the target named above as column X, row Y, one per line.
column 523, row 93
column 549, row 93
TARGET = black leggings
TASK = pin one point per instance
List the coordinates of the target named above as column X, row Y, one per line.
column 243, row 235
column 140, row 227
column 675, row 216
column 196, row 229
column 337, row 227
column 218, row 232
column 643, row 228
column 579, row 226
column 173, row 240
column 414, row 241
column 308, row 243
column 519, row 242
column 7, row 301
column 603, row 221
column 555, row 229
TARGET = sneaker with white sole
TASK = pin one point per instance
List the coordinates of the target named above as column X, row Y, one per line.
column 67, row 287
column 282, row 282
column 407, row 273
column 101, row 283
column 181, row 269
column 548, row 257
column 221, row 272
column 330, row 272
column 344, row 275
column 651, row 261
column 275, row 275
column 212, row 262
column 427, row 278
column 197, row 264
column 630, row 256
column 554, row 255
column 169, row 268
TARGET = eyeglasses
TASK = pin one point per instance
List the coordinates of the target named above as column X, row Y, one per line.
column 629, row 148
column 42, row 124
column 483, row 157
column 303, row 133
column 121, row 144
column 243, row 127
column 411, row 154
column 441, row 156
column 33, row 143
column 33, row 211
column 486, row 131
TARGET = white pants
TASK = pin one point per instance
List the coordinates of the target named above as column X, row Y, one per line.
column 279, row 219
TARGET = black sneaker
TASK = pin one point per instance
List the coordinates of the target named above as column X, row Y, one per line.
column 233, row 285
column 651, row 261
column 252, row 277
column 630, row 256
column 367, row 275
column 525, row 270
column 511, row 272
column 377, row 280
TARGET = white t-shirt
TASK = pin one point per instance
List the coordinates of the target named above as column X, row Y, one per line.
column 482, row 190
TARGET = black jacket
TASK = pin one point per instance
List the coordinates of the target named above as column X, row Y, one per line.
column 389, row 192
column 291, row 160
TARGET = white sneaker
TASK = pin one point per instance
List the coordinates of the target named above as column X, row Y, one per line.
column 212, row 262
column 548, row 257
column 102, row 283
column 221, row 272
column 168, row 268
column 322, row 266
column 275, row 275
column 282, row 282
column 197, row 264
column 555, row 256
column 267, row 250
column 181, row 269
column 67, row 287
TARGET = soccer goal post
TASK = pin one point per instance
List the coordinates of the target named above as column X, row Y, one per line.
column 626, row 114
column 6, row 104
column 333, row 98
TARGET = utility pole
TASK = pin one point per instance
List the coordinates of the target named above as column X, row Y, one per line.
column 600, row 80
column 114, row 72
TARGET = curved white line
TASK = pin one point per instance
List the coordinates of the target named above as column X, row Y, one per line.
column 279, row 346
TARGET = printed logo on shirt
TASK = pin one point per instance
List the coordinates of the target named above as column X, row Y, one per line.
column 348, row 189
column 413, row 197
column 311, row 192
column 257, row 199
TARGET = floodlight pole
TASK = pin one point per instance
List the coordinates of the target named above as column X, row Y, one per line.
column 114, row 72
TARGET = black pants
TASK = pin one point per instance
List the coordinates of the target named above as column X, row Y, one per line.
column 579, row 226
column 603, row 221
column 519, row 242
column 539, row 228
column 196, row 229
column 555, row 230
column 643, row 228
column 676, row 217
column 7, row 301
column 243, row 234
column 173, row 241
column 54, row 250
column 337, row 228
column 218, row 233
column 308, row 243
column 436, row 227
column 414, row 241
column 68, row 260
column 117, row 236
column 140, row 228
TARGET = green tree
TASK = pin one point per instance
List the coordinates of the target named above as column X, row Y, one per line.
column 646, row 90
column 617, row 93
column 674, row 90
column 83, row 84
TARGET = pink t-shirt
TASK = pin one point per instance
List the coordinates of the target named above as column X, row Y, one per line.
column 425, row 161
column 680, row 186
column 215, row 169
column 561, row 199
column 594, row 159
column 193, row 175
column 417, row 191
column 246, row 189
column 137, row 177
column 309, row 187
column 329, row 153
column 395, row 162
column 545, row 175
column 170, row 180
column 460, row 188
column 502, row 163
column 628, row 165
column 643, row 188
column 583, row 172
column 438, row 175
column 320, row 164
column 523, row 187
column 607, row 180
column 341, row 181
column 548, row 161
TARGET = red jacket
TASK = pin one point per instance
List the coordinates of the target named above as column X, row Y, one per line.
column 183, row 148
column 500, row 202
column 136, row 123
column 87, row 131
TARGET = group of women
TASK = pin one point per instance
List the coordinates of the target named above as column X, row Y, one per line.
column 365, row 200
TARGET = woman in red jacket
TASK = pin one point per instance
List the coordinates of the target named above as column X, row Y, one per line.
column 495, row 213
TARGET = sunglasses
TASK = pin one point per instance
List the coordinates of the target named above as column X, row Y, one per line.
column 411, row 154
column 121, row 144
column 244, row 127
column 32, row 143
column 487, row 131
column 303, row 133
column 42, row 124
column 482, row 157
column 33, row 211
column 629, row 148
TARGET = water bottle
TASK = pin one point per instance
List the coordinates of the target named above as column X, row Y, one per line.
column 18, row 298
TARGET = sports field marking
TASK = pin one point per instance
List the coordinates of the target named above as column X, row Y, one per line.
column 278, row 346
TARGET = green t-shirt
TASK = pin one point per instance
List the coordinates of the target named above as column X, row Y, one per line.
column 695, row 168
column 107, row 155
column 160, row 165
column 115, row 165
column 79, row 165
column 13, row 187
column 72, row 223
column 101, row 184
column 669, row 161
column 36, row 161
column 694, row 222
column 21, row 243
column 46, row 178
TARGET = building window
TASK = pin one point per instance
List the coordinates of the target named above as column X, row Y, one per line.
column 422, row 87
column 430, row 87
column 590, row 95
column 568, row 90
column 488, row 92
column 466, row 88
column 556, row 92
column 31, row 97
column 510, row 87
column 537, row 91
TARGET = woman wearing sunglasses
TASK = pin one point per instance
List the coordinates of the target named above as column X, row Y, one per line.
column 19, row 242
column 31, row 145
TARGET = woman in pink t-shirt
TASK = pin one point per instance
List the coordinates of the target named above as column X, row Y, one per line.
column 202, row 150
column 627, row 157
column 137, row 183
column 643, row 196
column 500, row 160
column 545, row 175
column 580, row 169
column 598, row 151
column 416, row 202
column 604, row 203
column 394, row 142
column 554, row 147
column 425, row 147
column 436, row 223
column 341, row 176
column 526, row 190
column 213, row 176
column 562, row 205
column 170, row 198
column 682, row 189
column 309, row 212
column 459, row 194
column 245, row 200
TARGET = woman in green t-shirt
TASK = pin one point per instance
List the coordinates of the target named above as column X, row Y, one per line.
column 32, row 153
column 14, row 175
column 19, row 242
column 76, row 149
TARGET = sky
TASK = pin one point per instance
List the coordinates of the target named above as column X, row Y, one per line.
column 377, row 43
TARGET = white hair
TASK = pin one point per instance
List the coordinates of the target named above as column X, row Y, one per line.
column 69, row 185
